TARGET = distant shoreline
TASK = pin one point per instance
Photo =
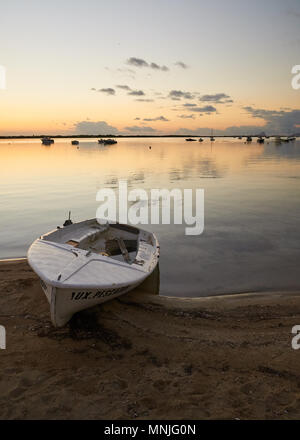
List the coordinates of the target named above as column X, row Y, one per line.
column 71, row 136
column 84, row 136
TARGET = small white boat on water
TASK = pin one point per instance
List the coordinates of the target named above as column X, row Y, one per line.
column 84, row 264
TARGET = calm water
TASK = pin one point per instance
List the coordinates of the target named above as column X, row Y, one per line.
column 251, row 239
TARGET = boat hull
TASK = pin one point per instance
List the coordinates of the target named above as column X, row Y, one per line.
column 85, row 264
column 65, row 302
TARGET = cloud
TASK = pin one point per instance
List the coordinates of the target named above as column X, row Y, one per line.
column 205, row 109
column 154, row 66
column 158, row 118
column 140, row 129
column 263, row 114
column 90, row 127
column 181, row 64
column 93, row 88
column 186, row 116
column 123, row 87
column 137, row 119
column 277, row 121
column 157, row 67
column 189, row 105
column 178, row 94
column 217, row 98
column 163, row 68
column 139, row 62
column 145, row 100
column 136, row 93
column 108, row 91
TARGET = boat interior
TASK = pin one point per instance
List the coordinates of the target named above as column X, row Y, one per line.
column 117, row 241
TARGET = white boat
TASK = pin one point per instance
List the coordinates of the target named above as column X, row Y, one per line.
column 84, row 264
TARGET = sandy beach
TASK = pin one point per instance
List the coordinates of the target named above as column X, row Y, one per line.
column 143, row 356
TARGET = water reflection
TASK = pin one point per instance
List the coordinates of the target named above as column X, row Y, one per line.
column 251, row 239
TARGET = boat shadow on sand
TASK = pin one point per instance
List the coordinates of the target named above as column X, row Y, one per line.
column 86, row 324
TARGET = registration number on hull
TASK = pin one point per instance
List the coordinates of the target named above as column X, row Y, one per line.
column 98, row 294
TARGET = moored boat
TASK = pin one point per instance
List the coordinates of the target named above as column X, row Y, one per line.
column 46, row 140
column 110, row 141
column 84, row 264
column 190, row 140
column 107, row 141
column 75, row 142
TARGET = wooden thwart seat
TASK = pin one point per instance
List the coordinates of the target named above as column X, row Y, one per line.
column 72, row 243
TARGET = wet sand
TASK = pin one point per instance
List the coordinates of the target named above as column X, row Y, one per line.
column 148, row 357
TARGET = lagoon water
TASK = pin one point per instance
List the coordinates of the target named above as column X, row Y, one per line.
column 251, row 238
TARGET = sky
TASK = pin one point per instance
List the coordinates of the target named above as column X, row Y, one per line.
column 141, row 67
